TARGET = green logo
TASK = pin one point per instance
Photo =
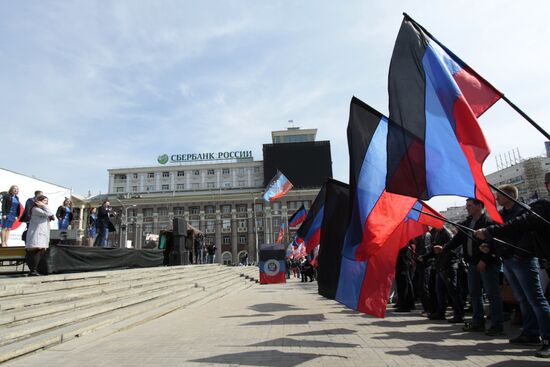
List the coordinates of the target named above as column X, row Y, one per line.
column 163, row 159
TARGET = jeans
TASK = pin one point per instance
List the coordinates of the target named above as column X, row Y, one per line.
column 488, row 280
column 102, row 236
column 523, row 276
column 211, row 259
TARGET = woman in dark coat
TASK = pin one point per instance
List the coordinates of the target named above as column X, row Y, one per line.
column 11, row 209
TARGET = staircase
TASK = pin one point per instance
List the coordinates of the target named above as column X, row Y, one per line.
column 39, row 312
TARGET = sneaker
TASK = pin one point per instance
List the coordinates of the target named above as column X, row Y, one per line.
column 525, row 339
column 544, row 351
column 494, row 332
column 474, row 327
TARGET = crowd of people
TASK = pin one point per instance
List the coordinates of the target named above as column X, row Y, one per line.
column 476, row 261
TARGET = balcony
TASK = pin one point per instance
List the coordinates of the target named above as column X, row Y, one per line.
column 210, row 230
column 226, row 230
column 241, row 229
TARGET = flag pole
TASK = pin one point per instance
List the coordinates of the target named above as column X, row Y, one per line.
column 523, row 205
column 510, row 103
column 467, row 231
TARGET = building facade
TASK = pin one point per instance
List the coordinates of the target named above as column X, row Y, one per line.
column 218, row 193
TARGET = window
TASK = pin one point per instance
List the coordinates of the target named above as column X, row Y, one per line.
column 150, row 175
column 165, row 174
column 134, row 188
column 147, row 228
column 241, row 171
column 120, row 177
column 149, row 188
column 135, row 175
column 120, row 189
column 307, row 204
column 163, row 212
column 259, row 207
column 181, row 173
column 258, row 183
column 148, row 212
column 242, row 224
column 276, row 222
column 225, row 171
column 256, row 169
column 179, row 211
column 165, row 187
column 241, row 184
column 194, row 210
column 242, row 239
column 210, row 185
column 196, row 172
column 132, row 213
column 226, row 209
column 226, row 224
column 227, row 184
column 210, row 172
column 210, row 209
column 241, row 208
column 210, row 225
column 195, row 186
column 226, row 240
column 180, row 187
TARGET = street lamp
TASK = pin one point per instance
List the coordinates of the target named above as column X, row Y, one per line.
column 256, row 230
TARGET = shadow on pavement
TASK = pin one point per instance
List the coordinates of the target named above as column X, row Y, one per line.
column 287, row 342
column 289, row 319
column 273, row 307
column 462, row 352
column 244, row 316
column 339, row 331
column 522, row 364
column 267, row 358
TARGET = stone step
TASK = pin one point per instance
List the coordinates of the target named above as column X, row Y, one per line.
column 72, row 301
column 23, row 300
column 122, row 318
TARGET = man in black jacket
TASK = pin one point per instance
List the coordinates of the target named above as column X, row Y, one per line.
column 539, row 231
column 103, row 223
column 483, row 270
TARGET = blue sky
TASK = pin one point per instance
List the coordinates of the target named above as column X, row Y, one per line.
column 90, row 85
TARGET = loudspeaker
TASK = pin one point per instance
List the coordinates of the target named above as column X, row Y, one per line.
column 178, row 255
column 179, row 226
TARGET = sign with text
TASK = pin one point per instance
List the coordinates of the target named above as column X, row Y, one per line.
column 193, row 157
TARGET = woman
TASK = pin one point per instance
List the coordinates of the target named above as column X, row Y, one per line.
column 38, row 234
column 64, row 214
column 10, row 212
column 92, row 222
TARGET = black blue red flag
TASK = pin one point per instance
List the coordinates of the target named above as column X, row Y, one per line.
column 298, row 217
column 310, row 230
column 435, row 144
column 278, row 187
column 380, row 222
column 272, row 263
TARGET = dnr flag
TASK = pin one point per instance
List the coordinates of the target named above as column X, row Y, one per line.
column 310, row 230
column 272, row 263
column 435, row 144
column 298, row 217
column 277, row 188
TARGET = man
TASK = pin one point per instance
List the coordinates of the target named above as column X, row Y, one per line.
column 103, row 223
column 26, row 216
column 404, row 271
column 483, row 270
column 530, row 291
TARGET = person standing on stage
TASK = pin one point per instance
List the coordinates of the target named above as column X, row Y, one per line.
column 104, row 223
column 29, row 204
column 91, row 229
column 38, row 234
column 10, row 211
column 65, row 214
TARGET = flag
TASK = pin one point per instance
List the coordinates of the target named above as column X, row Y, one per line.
column 281, row 233
column 435, row 144
column 298, row 217
column 278, row 187
column 272, row 263
column 310, row 230
column 333, row 229
column 375, row 214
